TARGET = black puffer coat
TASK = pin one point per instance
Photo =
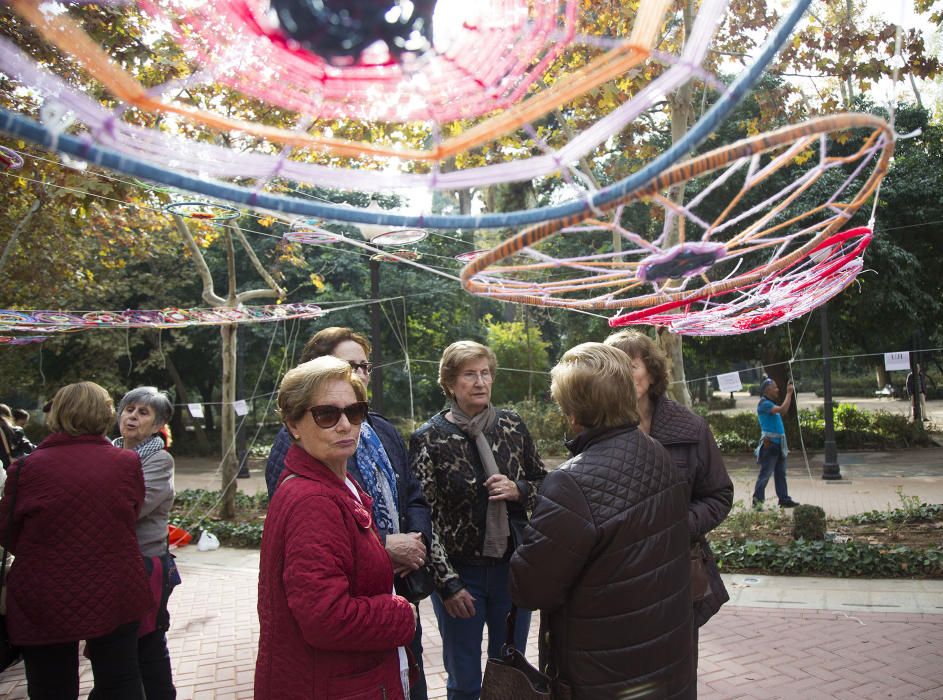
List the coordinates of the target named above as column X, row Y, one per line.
column 605, row 559
column 688, row 439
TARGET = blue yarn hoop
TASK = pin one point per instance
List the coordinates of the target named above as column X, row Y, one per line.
column 81, row 147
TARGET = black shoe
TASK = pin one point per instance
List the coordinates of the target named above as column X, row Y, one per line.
column 757, row 504
column 788, row 504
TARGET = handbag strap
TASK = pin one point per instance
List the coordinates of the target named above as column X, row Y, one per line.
column 16, row 488
column 511, row 624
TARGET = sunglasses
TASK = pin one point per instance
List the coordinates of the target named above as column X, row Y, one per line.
column 328, row 416
column 365, row 367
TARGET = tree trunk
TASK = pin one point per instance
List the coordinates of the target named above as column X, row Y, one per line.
column 681, row 104
column 228, row 423
column 880, row 374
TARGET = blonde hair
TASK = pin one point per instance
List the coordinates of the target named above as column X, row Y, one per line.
column 639, row 346
column 83, row 408
column 593, row 386
column 302, row 384
column 456, row 355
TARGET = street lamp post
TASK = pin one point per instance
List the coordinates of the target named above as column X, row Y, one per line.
column 830, row 468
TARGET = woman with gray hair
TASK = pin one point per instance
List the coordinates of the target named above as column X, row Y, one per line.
column 142, row 413
column 480, row 471
column 605, row 557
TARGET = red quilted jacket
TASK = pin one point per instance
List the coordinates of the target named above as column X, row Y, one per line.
column 78, row 572
column 329, row 623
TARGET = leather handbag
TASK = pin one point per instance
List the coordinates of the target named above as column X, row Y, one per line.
column 512, row 677
column 9, row 653
column 700, row 578
column 415, row 585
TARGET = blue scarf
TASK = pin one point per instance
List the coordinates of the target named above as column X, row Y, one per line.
column 379, row 479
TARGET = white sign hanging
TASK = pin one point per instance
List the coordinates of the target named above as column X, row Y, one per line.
column 196, row 409
column 896, row 360
column 729, row 381
column 240, row 407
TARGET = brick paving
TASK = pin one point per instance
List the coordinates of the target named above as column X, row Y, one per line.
column 745, row 652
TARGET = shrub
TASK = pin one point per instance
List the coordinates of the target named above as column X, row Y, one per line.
column 854, row 429
column 721, row 403
column 808, row 523
column 546, row 424
column 841, row 560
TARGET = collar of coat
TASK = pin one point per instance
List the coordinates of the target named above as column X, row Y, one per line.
column 299, row 463
column 588, row 438
column 60, row 439
column 672, row 423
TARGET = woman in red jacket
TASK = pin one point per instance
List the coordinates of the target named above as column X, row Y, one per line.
column 331, row 627
column 78, row 573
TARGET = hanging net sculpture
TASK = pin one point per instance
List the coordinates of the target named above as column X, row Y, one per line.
column 780, row 297
column 69, row 321
column 512, row 57
column 734, row 231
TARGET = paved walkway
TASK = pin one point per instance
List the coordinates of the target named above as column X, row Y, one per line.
column 779, row 637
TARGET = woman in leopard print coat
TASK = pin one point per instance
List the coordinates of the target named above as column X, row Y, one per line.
column 480, row 472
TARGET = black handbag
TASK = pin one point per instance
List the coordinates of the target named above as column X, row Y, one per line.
column 415, row 585
column 9, row 654
column 513, row 678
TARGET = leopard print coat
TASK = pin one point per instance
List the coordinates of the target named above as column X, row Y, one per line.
column 447, row 464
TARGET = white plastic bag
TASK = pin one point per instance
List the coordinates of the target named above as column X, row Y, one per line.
column 208, row 542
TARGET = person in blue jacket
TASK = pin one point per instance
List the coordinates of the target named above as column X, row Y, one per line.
column 381, row 467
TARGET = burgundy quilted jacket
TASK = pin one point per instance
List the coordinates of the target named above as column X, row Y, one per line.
column 330, row 625
column 605, row 559
column 689, row 440
column 78, row 572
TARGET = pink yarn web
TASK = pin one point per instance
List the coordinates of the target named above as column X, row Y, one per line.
column 780, row 298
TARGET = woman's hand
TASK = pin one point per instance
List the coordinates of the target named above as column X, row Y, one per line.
column 460, row 605
column 500, row 488
column 407, row 552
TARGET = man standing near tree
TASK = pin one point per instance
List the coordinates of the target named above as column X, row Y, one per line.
column 772, row 450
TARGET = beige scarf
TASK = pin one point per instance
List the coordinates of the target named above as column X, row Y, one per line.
column 497, row 529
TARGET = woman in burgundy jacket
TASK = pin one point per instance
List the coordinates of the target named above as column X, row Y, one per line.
column 330, row 626
column 78, row 573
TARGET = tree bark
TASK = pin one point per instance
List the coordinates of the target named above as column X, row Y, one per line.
column 681, row 105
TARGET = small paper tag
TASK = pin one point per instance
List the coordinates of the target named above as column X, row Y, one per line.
column 896, row 360
column 240, row 407
column 729, row 381
column 196, row 409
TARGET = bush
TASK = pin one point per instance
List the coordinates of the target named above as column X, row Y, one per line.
column 808, row 523
column 721, row 403
column 854, row 429
column 828, row 558
column 546, row 424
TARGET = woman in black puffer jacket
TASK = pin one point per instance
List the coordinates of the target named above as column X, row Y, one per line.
column 605, row 557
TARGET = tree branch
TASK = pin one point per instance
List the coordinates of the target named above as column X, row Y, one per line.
column 8, row 248
column 256, row 263
column 209, row 296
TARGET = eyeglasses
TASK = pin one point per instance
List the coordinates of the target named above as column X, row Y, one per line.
column 470, row 376
column 328, row 416
column 365, row 367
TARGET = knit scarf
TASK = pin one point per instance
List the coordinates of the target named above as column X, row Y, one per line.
column 497, row 529
column 379, row 479
column 152, row 445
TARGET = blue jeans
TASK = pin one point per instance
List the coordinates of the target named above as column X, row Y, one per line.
column 461, row 638
column 771, row 462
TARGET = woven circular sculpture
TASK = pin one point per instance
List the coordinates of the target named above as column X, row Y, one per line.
column 783, row 296
column 731, row 233
column 339, row 31
column 67, row 321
